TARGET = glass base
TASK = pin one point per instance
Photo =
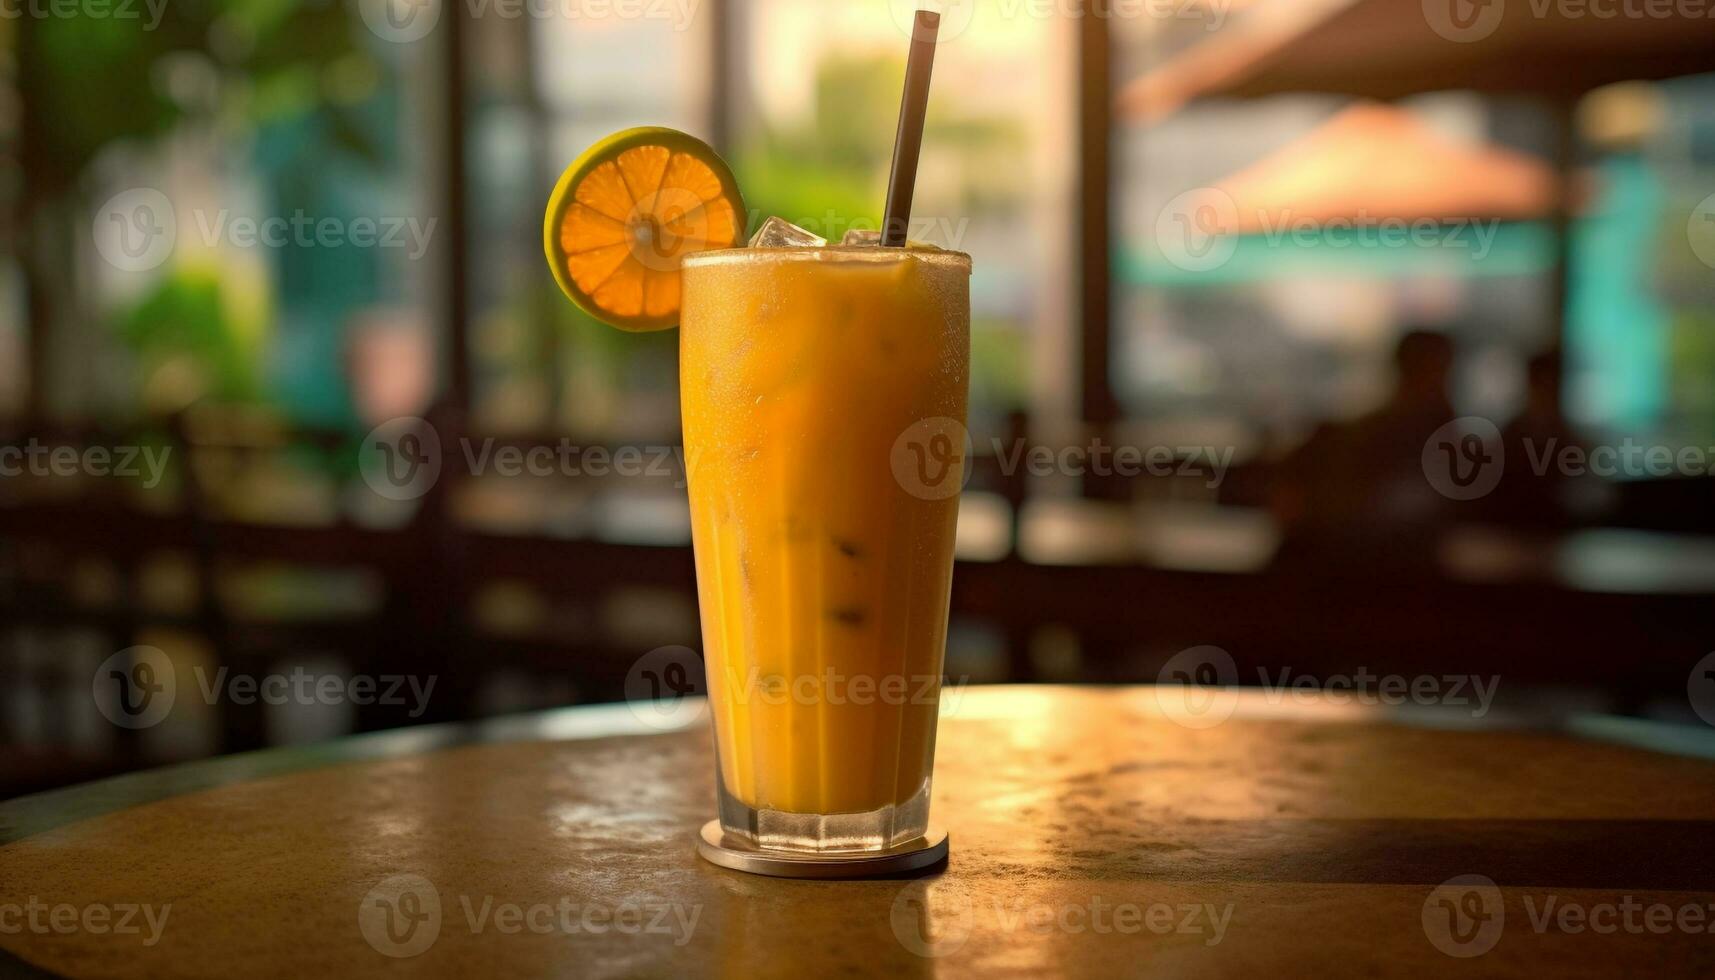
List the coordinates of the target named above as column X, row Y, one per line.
column 920, row 855
column 826, row 833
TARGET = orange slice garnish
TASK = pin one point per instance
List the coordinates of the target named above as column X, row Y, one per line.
column 627, row 212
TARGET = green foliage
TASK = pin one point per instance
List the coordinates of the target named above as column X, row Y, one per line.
column 239, row 68
column 778, row 180
column 857, row 106
column 188, row 321
column 831, row 175
column 90, row 84
column 95, row 81
column 1000, row 364
column 1691, row 366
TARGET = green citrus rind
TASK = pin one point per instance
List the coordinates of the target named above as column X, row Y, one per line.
column 607, row 149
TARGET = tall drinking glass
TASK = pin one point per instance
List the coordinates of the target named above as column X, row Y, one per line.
column 824, row 393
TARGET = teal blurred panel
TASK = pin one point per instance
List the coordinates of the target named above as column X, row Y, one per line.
column 335, row 165
column 1618, row 334
column 1516, row 249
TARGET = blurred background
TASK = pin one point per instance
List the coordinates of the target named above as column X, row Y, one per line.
column 1276, row 247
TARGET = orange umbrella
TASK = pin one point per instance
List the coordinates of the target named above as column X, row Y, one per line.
column 1389, row 49
column 1374, row 163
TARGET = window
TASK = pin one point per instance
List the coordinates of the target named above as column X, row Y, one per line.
column 12, row 315
column 542, row 89
column 1641, row 327
column 242, row 206
column 1294, row 320
column 812, row 99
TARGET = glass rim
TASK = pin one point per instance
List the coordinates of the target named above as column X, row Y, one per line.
column 832, row 253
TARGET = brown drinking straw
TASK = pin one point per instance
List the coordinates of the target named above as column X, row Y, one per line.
column 913, row 106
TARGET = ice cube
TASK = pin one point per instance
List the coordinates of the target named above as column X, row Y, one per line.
column 780, row 233
column 871, row 237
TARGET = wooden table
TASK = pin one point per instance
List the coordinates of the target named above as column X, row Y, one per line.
column 1092, row 834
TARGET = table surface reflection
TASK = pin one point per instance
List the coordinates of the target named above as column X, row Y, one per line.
column 1100, row 831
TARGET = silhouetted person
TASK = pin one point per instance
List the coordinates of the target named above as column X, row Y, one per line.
column 1532, row 491
column 1356, row 491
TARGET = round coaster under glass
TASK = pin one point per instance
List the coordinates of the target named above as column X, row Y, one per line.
column 732, row 852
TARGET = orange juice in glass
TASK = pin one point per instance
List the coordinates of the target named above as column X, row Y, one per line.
column 811, row 380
